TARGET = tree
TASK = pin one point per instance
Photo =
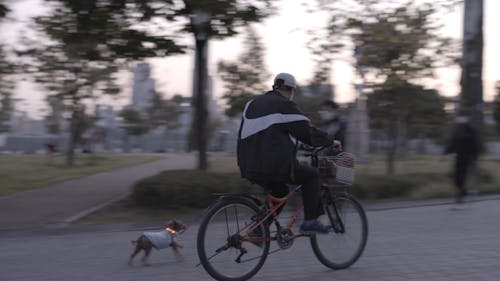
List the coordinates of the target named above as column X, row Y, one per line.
column 471, row 80
column 54, row 118
column 245, row 77
column 402, row 42
column 73, row 82
column 3, row 10
column 496, row 106
column 119, row 27
column 395, row 44
column 165, row 112
column 209, row 19
column 324, row 45
column 6, row 92
column 214, row 19
column 400, row 109
column 7, row 68
column 134, row 123
column 398, row 47
column 88, row 42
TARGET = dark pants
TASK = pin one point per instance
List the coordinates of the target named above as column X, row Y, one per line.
column 462, row 165
column 308, row 177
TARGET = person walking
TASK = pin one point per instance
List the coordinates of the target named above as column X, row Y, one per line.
column 464, row 144
column 332, row 122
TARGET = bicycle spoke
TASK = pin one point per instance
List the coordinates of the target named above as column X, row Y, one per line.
column 227, row 224
column 223, row 252
column 237, row 222
column 339, row 250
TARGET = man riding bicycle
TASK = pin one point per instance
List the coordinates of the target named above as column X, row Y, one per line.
column 270, row 128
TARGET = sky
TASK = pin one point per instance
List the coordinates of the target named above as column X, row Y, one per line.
column 284, row 35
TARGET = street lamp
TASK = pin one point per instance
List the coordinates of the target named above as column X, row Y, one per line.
column 200, row 22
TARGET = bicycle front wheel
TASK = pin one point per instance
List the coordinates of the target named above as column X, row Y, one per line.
column 227, row 247
column 345, row 243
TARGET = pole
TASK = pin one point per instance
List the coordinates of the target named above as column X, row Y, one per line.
column 201, row 113
column 200, row 21
column 471, row 96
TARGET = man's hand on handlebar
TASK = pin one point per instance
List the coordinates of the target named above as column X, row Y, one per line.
column 337, row 145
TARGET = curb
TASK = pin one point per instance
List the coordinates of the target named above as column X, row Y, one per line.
column 374, row 207
column 91, row 210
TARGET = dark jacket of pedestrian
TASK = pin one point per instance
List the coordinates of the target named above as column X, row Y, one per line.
column 465, row 145
column 332, row 122
column 463, row 142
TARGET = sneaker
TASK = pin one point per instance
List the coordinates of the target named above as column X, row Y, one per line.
column 313, row 226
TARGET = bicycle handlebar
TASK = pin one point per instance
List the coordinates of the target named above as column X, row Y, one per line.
column 313, row 151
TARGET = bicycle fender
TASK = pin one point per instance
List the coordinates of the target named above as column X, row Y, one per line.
column 245, row 197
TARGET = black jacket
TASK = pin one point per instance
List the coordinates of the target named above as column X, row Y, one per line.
column 337, row 127
column 270, row 127
column 463, row 142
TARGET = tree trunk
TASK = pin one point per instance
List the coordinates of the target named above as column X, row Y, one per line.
column 402, row 136
column 126, row 143
column 390, row 161
column 73, row 135
column 392, row 147
column 471, row 96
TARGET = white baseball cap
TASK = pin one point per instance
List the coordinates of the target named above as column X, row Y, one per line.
column 288, row 80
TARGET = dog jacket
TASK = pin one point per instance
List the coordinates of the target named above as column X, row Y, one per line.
column 160, row 240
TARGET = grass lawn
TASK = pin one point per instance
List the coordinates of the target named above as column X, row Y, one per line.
column 25, row 172
column 434, row 174
column 433, row 171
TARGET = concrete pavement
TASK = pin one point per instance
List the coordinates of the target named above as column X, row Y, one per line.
column 70, row 200
column 425, row 240
column 428, row 243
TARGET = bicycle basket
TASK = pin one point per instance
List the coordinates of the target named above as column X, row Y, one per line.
column 338, row 169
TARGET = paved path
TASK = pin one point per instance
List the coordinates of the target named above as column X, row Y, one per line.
column 430, row 243
column 67, row 201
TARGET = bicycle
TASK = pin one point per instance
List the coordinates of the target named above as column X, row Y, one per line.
column 234, row 237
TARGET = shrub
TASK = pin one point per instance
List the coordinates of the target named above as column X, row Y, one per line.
column 194, row 189
column 370, row 187
column 186, row 188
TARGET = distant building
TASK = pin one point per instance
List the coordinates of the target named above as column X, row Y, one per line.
column 21, row 123
column 107, row 117
column 144, row 87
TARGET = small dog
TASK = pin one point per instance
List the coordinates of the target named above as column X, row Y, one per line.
column 159, row 240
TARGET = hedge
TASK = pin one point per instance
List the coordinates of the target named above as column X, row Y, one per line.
column 186, row 188
column 195, row 189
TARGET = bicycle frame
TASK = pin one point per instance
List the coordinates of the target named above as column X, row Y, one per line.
column 275, row 203
column 249, row 216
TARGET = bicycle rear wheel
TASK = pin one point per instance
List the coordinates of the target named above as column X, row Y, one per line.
column 223, row 237
column 344, row 244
